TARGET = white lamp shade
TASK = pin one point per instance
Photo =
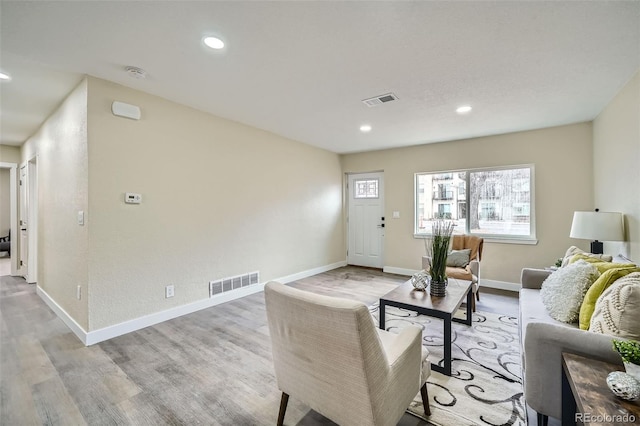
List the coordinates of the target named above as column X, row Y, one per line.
column 603, row 226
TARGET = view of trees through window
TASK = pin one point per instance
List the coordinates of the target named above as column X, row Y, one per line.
column 487, row 202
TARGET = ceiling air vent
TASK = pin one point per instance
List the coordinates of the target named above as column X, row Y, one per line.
column 380, row 100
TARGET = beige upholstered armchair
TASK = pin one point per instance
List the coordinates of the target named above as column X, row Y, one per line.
column 328, row 353
column 471, row 272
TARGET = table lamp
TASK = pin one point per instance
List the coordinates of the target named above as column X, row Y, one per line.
column 597, row 225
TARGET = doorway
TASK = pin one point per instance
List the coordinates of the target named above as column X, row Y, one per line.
column 365, row 220
column 27, row 253
column 8, row 217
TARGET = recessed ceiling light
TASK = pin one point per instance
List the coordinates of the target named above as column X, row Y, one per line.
column 463, row 109
column 213, row 42
column 4, row 76
column 365, row 128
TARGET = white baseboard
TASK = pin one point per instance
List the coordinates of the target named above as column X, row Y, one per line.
column 63, row 315
column 310, row 272
column 116, row 330
column 106, row 333
column 501, row 285
column 399, row 271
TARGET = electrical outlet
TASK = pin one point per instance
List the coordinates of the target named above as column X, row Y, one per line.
column 168, row 291
column 79, row 292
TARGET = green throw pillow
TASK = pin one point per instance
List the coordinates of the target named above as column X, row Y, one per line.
column 459, row 258
column 607, row 278
column 601, row 265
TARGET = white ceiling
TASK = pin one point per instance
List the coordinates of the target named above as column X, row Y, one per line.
column 301, row 69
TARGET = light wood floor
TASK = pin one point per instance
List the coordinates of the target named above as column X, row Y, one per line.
column 212, row 367
column 5, row 264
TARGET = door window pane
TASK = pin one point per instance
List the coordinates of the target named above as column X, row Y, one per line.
column 366, row 188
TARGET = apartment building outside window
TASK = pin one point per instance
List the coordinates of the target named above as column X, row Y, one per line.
column 495, row 202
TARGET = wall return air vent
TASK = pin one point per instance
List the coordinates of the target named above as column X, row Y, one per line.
column 378, row 100
column 233, row 283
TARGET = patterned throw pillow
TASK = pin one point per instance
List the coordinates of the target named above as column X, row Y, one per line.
column 563, row 291
column 617, row 311
column 607, row 278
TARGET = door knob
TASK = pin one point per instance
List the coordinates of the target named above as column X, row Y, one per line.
column 381, row 226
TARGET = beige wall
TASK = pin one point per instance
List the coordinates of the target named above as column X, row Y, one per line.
column 616, row 145
column 219, row 199
column 10, row 154
column 61, row 149
column 563, row 183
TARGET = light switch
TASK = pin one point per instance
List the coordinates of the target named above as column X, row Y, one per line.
column 396, row 215
column 81, row 218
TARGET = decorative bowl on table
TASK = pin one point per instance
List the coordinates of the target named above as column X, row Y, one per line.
column 420, row 280
column 623, row 385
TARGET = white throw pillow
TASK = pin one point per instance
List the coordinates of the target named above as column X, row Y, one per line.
column 573, row 250
column 617, row 311
column 563, row 291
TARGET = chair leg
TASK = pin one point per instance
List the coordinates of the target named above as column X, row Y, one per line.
column 283, row 408
column 425, row 399
column 478, row 294
column 543, row 420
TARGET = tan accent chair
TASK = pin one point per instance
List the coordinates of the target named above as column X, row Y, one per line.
column 472, row 271
column 329, row 354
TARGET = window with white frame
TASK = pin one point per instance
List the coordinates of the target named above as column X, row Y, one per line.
column 496, row 202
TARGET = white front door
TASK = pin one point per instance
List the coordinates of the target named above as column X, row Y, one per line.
column 366, row 220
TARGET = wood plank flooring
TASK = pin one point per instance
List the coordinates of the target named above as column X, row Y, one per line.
column 212, row 367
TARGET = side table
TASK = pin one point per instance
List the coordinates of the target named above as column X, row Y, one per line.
column 586, row 398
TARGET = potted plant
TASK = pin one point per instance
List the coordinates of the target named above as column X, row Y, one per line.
column 629, row 351
column 438, row 250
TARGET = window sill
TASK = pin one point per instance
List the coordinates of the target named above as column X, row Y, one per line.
column 497, row 240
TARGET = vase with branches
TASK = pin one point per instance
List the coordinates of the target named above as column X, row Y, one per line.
column 437, row 248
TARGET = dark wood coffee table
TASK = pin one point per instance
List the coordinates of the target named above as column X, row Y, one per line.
column 406, row 297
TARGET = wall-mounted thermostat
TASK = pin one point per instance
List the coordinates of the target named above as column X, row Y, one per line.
column 132, row 198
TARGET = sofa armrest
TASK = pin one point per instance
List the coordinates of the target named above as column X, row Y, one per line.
column 426, row 262
column 533, row 278
column 542, row 358
column 474, row 268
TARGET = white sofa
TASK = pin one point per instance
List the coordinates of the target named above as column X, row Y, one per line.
column 542, row 341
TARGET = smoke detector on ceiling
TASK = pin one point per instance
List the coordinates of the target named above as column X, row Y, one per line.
column 378, row 100
column 136, row 72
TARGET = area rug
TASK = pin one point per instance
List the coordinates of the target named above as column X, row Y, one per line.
column 485, row 387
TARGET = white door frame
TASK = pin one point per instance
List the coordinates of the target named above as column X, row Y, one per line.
column 348, row 177
column 13, row 201
column 30, row 272
column 32, row 258
column 23, row 204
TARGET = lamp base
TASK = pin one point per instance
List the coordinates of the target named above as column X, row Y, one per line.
column 596, row 247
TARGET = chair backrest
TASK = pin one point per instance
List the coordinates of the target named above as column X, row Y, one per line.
column 472, row 242
column 326, row 352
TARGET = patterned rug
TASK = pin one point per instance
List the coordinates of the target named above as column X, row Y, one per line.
column 485, row 387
